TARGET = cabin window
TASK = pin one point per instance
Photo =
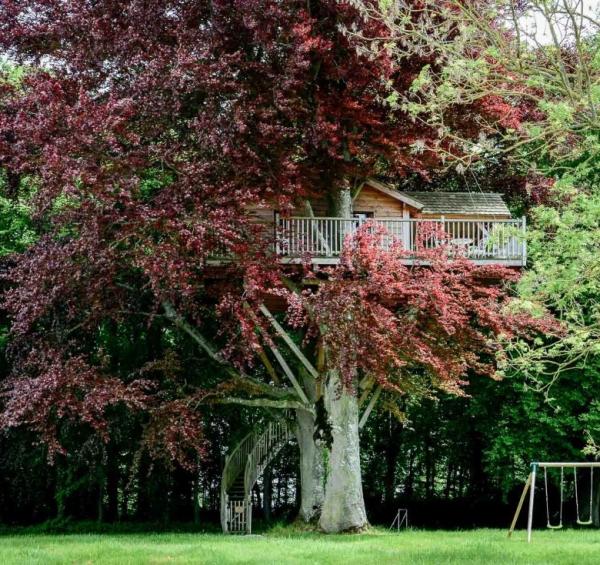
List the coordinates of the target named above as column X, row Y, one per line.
column 362, row 216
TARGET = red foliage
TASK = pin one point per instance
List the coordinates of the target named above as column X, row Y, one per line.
column 54, row 389
column 150, row 129
column 443, row 315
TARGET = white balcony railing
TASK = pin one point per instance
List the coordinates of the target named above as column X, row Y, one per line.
column 484, row 241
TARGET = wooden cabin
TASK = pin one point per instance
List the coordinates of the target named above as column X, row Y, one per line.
column 479, row 225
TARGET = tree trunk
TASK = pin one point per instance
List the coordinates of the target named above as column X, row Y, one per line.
column 196, row 486
column 409, row 482
column 100, row 495
column 267, row 492
column 112, row 486
column 344, row 506
column 392, row 451
column 312, row 468
column 341, row 206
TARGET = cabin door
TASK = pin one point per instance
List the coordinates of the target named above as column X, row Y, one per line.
column 362, row 217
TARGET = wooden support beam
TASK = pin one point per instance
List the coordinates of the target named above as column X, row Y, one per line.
column 365, row 382
column 520, row 505
column 193, row 332
column 200, row 340
column 268, row 365
column 289, row 341
column 322, row 241
column 531, row 499
column 320, row 357
column 578, row 464
column 366, row 390
column 289, row 374
column 369, row 408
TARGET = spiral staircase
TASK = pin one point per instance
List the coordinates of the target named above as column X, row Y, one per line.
column 242, row 468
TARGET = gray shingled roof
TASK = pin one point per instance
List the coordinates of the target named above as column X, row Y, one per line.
column 467, row 203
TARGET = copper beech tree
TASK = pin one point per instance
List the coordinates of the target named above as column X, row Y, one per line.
column 148, row 131
column 384, row 326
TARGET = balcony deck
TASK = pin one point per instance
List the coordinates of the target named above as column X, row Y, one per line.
column 482, row 241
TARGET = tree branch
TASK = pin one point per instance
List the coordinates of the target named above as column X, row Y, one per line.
column 266, row 403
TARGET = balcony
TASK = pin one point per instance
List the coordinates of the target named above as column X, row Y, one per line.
column 483, row 241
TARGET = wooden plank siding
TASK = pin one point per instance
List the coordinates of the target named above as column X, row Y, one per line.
column 379, row 204
column 369, row 199
column 376, row 202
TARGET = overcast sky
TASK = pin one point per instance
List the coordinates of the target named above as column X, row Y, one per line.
column 536, row 24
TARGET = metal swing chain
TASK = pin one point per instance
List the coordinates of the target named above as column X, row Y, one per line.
column 579, row 521
column 549, row 525
column 591, row 491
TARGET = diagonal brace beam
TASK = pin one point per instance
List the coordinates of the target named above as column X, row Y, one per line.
column 289, row 341
column 369, row 408
column 289, row 374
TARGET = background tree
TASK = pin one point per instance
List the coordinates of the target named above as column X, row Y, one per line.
column 542, row 57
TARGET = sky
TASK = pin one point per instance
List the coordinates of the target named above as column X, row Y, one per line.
column 536, row 25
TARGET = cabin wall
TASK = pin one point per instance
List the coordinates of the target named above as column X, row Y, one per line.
column 262, row 214
column 320, row 208
column 379, row 204
column 374, row 201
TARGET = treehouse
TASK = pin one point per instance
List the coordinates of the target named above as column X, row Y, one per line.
column 478, row 226
column 475, row 225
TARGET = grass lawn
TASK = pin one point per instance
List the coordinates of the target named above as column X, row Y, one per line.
column 378, row 547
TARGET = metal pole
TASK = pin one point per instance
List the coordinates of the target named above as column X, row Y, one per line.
column 531, row 497
column 568, row 464
column 524, row 244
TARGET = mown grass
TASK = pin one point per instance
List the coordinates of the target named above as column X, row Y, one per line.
column 284, row 546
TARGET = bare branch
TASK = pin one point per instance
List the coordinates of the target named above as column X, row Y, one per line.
column 265, row 403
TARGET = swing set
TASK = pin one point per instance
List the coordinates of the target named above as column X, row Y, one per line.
column 530, row 486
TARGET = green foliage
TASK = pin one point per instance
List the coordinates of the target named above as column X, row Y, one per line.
column 154, row 180
column 565, row 275
column 16, row 230
column 10, row 73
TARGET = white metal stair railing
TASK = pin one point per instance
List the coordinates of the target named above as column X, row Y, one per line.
column 266, row 447
column 235, row 463
column 250, row 457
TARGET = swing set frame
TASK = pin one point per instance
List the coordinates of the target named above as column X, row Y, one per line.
column 530, row 486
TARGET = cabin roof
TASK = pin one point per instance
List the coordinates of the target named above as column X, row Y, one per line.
column 459, row 203
column 401, row 196
column 463, row 203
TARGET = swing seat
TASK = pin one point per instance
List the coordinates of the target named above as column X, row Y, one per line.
column 551, row 527
column 585, row 522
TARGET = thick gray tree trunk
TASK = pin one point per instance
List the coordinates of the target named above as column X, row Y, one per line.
column 344, row 506
column 312, row 468
column 312, row 462
column 341, row 207
column 342, row 203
